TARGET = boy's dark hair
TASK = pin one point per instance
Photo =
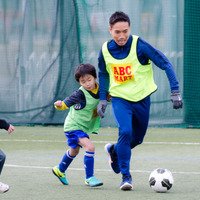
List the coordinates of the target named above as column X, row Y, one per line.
column 119, row 16
column 83, row 69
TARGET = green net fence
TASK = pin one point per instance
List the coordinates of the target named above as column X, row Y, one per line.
column 42, row 42
column 39, row 52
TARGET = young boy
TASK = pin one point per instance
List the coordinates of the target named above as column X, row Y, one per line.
column 81, row 121
column 9, row 128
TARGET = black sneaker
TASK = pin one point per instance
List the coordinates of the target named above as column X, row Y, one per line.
column 113, row 161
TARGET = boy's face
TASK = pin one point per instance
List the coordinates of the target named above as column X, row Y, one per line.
column 120, row 32
column 88, row 82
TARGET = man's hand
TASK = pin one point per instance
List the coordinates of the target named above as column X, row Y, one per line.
column 176, row 99
column 101, row 108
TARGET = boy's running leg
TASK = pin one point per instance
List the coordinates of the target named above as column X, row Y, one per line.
column 90, row 180
column 59, row 171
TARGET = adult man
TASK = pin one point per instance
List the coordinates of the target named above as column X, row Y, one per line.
column 125, row 64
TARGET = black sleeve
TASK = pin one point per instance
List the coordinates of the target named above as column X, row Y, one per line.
column 77, row 97
column 4, row 124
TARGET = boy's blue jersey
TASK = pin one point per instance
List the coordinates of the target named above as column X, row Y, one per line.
column 144, row 52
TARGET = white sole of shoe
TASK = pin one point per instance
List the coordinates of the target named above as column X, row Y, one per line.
column 106, row 150
column 126, row 186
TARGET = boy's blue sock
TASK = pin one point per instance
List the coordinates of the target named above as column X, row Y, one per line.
column 89, row 164
column 66, row 161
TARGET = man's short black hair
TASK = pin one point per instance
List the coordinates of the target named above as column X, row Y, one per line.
column 119, row 16
column 83, row 69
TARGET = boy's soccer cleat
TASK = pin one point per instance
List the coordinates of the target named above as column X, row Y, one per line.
column 61, row 176
column 93, row 182
column 3, row 188
column 126, row 183
column 113, row 160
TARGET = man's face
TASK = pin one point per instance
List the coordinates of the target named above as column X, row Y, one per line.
column 120, row 32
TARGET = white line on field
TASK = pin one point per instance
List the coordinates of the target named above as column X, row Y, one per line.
column 185, row 143
column 97, row 142
column 101, row 170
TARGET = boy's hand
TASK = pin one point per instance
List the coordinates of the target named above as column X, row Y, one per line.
column 58, row 103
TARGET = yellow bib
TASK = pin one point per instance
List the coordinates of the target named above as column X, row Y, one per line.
column 129, row 79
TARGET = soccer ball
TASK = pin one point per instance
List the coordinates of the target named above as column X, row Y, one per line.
column 161, row 180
